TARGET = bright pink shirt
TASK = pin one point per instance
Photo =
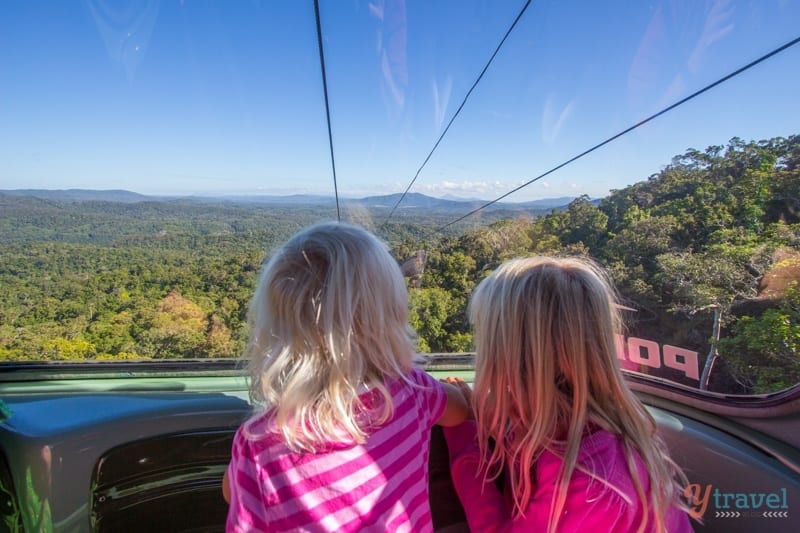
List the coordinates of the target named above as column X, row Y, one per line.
column 591, row 505
column 381, row 485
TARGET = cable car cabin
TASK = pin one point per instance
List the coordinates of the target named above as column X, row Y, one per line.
column 144, row 447
column 154, row 154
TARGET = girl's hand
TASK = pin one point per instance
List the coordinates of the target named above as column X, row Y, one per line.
column 465, row 390
column 462, row 385
column 226, row 487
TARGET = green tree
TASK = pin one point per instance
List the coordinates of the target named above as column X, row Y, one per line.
column 585, row 224
column 68, row 349
column 711, row 282
column 431, row 311
column 764, row 351
column 220, row 342
column 179, row 328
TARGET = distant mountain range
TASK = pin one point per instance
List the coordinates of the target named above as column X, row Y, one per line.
column 411, row 200
column 81, row 195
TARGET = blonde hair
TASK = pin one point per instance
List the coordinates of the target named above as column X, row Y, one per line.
column 328, row 321
column 546, row 367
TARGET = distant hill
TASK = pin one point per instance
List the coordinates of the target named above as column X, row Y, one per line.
column 422, row 201
column 81, row 195
column 411, row 200
column 292, row 199
column 548, row 203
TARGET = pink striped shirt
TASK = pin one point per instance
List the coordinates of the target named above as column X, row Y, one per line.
column 381, row 485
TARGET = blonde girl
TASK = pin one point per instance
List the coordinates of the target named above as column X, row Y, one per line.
column 576, row 447
column 342, row 441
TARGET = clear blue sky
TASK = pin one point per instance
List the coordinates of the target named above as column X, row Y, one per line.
column 201, row 97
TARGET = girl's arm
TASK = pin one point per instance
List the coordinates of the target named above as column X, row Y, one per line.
column 226, row 487
column 481, row 500
column 247, row 505
column 457, row 408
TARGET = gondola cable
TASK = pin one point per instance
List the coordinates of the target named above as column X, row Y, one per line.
column 327, row 106
column 627, row 130
column 464, row 101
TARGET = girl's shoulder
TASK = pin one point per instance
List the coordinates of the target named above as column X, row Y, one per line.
column 600, row 443
column 418, row 392
column 417, row 379
column 601, row 455
column 260, row 429
column 419, row 376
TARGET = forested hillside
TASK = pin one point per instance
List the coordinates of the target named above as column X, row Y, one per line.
column 707, row 248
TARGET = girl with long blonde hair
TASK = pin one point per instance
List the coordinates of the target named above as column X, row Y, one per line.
column 576, row 449
column 342, row 438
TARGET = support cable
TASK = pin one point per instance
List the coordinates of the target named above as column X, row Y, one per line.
column 480, row 76
column 629, row 129
column 327, row 107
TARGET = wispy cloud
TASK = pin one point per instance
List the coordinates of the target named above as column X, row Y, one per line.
column 441, row 97
column 376, row 9
column 718, row 25
column 392, row 49
column 553, row 118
